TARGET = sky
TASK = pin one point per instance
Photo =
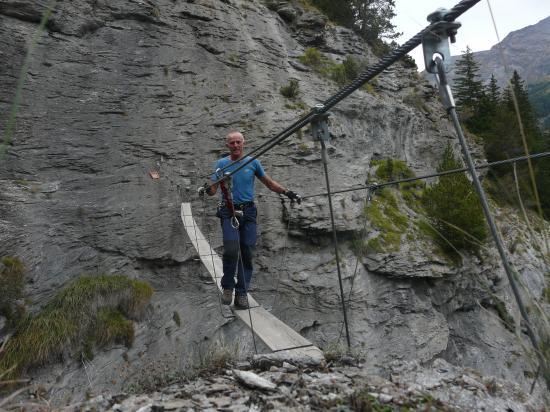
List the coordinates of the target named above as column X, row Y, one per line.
column 477, row 29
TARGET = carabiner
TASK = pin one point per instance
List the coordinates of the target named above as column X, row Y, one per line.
column 234, row 222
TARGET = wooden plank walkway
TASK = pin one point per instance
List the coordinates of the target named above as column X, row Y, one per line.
column 273, row 332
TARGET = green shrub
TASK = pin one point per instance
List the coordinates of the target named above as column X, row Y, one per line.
column 313, row 58
column 454, row 209
column 12, row 282
column 345, row 72
column 341, row 73
column 390, row 169
column 291, row 90
column 91, row 310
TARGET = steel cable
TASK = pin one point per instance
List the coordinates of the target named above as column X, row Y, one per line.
column 446, row 172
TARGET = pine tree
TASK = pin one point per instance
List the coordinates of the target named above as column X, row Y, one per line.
column 454, row 208
column 493, row 91
column 526, row 112
column 468, row 89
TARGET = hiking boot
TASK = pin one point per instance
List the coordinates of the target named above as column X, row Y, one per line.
column 227, row 296
column 241, row 302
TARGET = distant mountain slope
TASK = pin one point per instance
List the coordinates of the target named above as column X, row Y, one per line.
column 526, row 50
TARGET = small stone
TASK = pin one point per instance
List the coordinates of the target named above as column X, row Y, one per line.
column 385, row 398
column 289, row 367
column 252, row 380
column 222, row 402
column 273, row 369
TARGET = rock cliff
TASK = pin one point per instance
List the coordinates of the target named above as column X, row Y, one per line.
column 118, row 89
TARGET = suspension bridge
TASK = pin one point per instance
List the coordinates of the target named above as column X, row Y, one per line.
column 435, row 40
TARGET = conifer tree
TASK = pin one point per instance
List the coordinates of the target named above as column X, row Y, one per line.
column 468, row 89
column 493, row 92
column 454, row 208
column 527, row 114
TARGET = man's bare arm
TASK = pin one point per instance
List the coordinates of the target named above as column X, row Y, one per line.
column 272, row 184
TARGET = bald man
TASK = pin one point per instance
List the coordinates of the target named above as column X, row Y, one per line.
column 242, row 238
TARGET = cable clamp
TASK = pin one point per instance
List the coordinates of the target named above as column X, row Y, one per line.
column 319, row 124
column 436, row 41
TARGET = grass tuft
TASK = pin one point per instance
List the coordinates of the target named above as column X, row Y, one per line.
column 91, row 310
column 291, row 90
column 112, row 326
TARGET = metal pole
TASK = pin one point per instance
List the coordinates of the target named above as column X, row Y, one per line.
column 446, row 92
column 335, row 240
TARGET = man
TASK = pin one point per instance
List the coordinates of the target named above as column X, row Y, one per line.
column 239, row 239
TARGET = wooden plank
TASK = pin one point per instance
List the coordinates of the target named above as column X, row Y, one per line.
column 273, row 332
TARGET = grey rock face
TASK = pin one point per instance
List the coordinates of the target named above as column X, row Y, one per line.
column 116, row 90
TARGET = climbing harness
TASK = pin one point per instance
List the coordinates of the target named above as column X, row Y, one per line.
column 225, row 186
column 437, row 48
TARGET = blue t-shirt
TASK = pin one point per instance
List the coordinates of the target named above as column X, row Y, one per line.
column 243, row 181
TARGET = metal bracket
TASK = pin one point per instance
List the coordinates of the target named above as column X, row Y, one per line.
column 319, row 124
column 436, row 41
column 443, row 85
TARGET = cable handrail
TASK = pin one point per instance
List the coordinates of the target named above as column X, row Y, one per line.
column 375, row 186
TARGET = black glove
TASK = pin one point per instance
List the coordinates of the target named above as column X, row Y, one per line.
column 203, row 189
column 293, row 196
